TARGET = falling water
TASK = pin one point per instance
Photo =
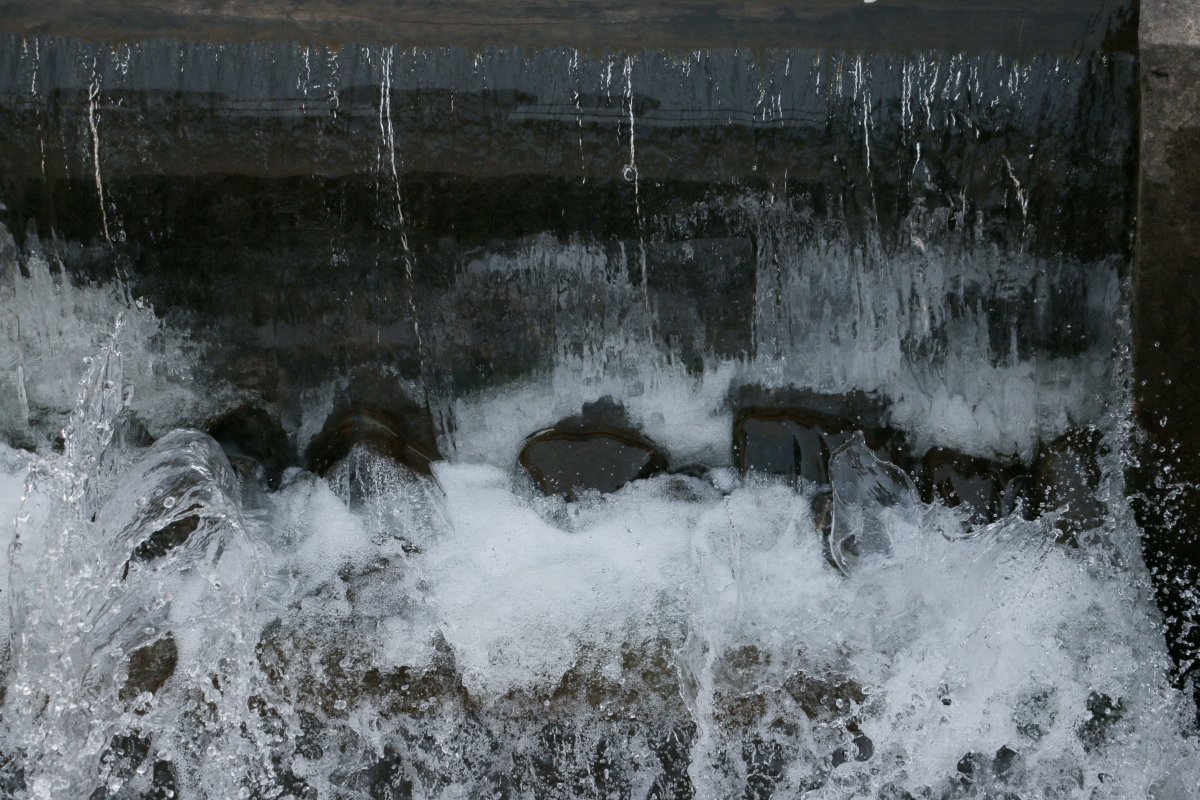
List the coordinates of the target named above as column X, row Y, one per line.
column 807, row 224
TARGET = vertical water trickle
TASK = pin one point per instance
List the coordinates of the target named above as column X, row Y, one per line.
column 94, row 128
column 304, row 79
column 631, row 175
column 862, row 95
column 576, row 77
column 388, row 133
column 331, row 63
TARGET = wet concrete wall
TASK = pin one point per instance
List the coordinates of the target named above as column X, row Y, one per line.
column 1166, row 316
column 1002, row 25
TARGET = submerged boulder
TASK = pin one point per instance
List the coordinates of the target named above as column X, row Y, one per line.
column 598, row 450
column 167, row 538
column 985, row 489
column 794, row 433
column 253, row 439
column 1066, row 478
column 181, row 484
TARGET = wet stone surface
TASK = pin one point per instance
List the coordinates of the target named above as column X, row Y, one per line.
column 128, row 776
column 1105, row 715
column 167, row 538
column 795, row 435
column 253, row 439
column 598, row 450
column 131, row 432
column 984, row 489
column 404, row 435
column 150, row 667
column 1066, row 478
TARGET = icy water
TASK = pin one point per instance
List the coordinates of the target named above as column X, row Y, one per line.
column 178, row 628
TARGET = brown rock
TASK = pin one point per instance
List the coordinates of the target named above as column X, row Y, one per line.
column 599, row 450
column 252, row 438
column 402, row 438
column 150, row 667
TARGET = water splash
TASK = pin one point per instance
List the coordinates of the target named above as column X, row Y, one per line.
column 92, row 585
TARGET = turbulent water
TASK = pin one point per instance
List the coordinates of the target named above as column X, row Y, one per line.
column 462, row 637
column 177, row 630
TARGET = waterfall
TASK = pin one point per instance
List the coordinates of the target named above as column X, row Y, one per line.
column 557, row 423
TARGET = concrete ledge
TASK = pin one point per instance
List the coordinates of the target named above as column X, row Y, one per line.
column 1001, row 25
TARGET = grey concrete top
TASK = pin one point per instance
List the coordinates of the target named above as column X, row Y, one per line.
column 1170, row 22
column 1003, row 25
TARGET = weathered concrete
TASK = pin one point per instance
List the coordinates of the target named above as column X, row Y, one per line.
column 903, row 24
column 1166, row 316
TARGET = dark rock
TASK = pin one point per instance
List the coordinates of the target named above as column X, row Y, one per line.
column 862, row 748
column 1006, row 761
column 1105, row 712
column 891, row 791
column 1163, row 479
column 674, row 753
column 985, row 489
column 131, row 431
column 824, row 698
column 167, row 538
column 794, row 433
column 607, row 770
column 688, row 489
column 404, row 435
column 698, row 471
column 971, row 766
column 555, row 762
column 123, row 762
column 150, row 667
column 599, row 450
column 388, row 778
column 164, row 784
column 12, row 775
column 765, row 764
column 1066, row 475
column 252, row 438
column 183, row 479
column 822, row 513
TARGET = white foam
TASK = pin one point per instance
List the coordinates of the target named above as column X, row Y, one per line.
column 14, row 465
column 988, row 620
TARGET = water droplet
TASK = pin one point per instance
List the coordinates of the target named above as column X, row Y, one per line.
column 169, row 502
column 630, row 173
